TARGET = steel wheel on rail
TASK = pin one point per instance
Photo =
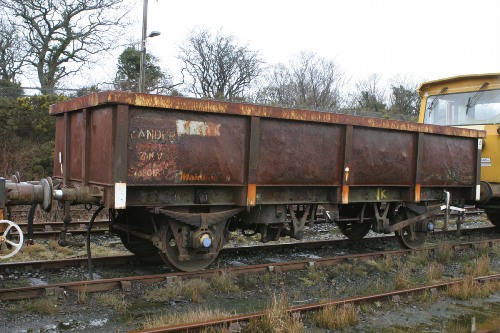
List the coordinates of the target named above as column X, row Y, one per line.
column 414, row 235
column 138, row 246
column 494, row 217
column 354, row 230
column 171, row 254
column 139, row 220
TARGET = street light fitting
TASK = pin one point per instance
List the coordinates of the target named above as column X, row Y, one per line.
column 154, row 34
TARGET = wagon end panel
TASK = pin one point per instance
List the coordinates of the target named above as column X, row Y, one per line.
column 70, row 129
column 101, row 143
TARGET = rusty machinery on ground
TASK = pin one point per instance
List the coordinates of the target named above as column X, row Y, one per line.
column 177, row 174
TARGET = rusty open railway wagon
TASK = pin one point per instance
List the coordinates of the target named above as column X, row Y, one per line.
column 178, row 173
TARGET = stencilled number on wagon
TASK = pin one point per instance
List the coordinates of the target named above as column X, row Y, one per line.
column 150, row 156
column 381, row 195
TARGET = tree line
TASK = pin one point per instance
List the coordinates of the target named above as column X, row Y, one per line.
column 48, row 41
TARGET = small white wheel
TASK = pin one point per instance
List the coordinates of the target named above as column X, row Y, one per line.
column 6, row 245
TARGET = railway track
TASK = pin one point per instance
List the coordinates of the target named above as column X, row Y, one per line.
column 133, row 259
column 125, row 284
column 56, row 226
column 234, row 323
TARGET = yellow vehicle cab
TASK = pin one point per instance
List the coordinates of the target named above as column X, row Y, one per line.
column 470, row 101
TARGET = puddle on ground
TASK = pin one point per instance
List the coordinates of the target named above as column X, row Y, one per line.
column 484, row 316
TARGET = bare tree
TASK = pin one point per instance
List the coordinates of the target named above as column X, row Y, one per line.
column 11, row 60
column 217, row 66
column 309, row 81
column 64, row 35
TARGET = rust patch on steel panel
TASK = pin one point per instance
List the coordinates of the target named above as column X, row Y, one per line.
column 251, row 195
column 77, row 128
column 186, row 148
column 448, row 160
column 293, row 153
column 212, row 106
column 345, row 194
column 417, row 192
column 382, row 157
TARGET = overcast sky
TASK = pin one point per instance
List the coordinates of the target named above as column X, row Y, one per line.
column 426, row 39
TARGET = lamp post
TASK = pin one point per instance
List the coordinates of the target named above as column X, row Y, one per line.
column 142, row 65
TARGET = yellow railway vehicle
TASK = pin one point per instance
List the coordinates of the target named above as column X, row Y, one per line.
column 470, row 101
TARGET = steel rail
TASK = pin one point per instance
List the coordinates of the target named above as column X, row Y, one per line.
column 57, row 224
column 234, row 321
column 131, row 258
column 125, row 283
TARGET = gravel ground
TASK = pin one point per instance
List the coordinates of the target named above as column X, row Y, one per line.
column 92, row 313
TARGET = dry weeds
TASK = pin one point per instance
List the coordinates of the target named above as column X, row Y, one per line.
column 277, row 319
column 402, row 280
column 225, row 282
column 444, row 253
column 113, row 300
column 45, row 306
column 435, row 272
column 197, row 315
column 464, row 290
column 192, row 289
column 336, row 317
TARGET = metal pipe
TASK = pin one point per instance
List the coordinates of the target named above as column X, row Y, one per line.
column 447, row 211
column 142, row 69
column 89, row 255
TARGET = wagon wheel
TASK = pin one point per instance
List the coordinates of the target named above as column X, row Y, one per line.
column 10, row 245
column 138, row 246
column 171, row 254
column 412, row 236
column 354, row 230
column 494, row 217
column 140, row 221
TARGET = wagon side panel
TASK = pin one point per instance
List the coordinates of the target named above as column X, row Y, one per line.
column 382, row 157
column 299, row 153
column 169, row 147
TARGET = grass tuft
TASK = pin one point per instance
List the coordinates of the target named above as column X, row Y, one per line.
column 483, row 249
column 444, row 253
column 435, row 272
column 336, row 317
column 225, row 282
column 115, row 301
column 419, row 258
column 277, row 319
column 464, row 290
column 170, row 319
column 402, row 279
column 44, row 306
column 483, row 266
column 192, row 289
